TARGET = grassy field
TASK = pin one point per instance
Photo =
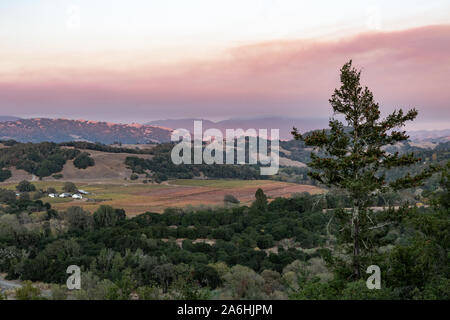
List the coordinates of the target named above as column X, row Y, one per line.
column 219, row 183
column 137, row 197
column 108, row 166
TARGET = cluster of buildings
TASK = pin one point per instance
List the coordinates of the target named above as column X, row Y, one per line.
column 78, row 195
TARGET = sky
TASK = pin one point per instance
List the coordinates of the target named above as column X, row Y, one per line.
column 141, row 60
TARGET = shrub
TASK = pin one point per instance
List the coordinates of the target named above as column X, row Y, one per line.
column 78, row 219
column 25, row 186
column 265, row 241
column 59, row 292
column 106, row 216
column 160, row 177
column 260, row 202
column 70, row 187
column 4, row 175
column 28, row 292
column 51, row 190
column 243, row 283
column 25, row 196
column 83, row 161
column 7, row 196
column 37, row 195
column 228, row 198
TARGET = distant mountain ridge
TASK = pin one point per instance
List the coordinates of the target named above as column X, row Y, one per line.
column 62, row 130
column 430, row 135
column 284, row 124
column 8, row 118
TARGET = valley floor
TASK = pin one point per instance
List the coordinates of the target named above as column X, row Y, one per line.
column 137, row 197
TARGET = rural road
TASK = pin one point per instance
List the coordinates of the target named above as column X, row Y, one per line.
column 11, row 285
column 7, row 285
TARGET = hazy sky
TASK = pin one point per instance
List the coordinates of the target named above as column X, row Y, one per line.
column 139, row 60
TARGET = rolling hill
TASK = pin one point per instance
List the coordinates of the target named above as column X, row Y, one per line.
column 62, row 130
column 8, row 118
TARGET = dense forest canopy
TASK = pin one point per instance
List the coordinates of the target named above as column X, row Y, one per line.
column 286, row 249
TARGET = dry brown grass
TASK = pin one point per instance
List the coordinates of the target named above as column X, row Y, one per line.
column 107, row 166
column 138, row 198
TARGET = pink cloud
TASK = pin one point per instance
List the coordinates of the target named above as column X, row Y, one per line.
column 409, row 68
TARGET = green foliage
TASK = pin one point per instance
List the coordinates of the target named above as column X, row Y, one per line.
column 207, row 276
column 138, row 257
column 165, row 273
column 25, row 186
column 37, row 195
column 436, row 289
column 123, row 257
column 7, row 196
column 77, row 219
column 83, row 160
column 42, row 159
column 184, row 288
column 149, row 293
column 70, row 187
column 261, row 200
column 134, row 176
column 51, row 190
column 443, row 197
column 163, row 168
column 106, row 216
column 160, row 177
column 358, row 290
column 316, row 290
column 28, row 292
column 265, row 241
column 22, row 205
column 230, row 199
column 414, row 265
column 24, row 196
column 4, row 174
column 244, row 283
column 58, row 292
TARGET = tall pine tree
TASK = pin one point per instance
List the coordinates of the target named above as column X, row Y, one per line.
column 355, row 158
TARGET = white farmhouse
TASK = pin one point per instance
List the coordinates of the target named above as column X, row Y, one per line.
column 65, row 195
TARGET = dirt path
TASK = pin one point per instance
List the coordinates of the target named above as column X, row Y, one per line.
column 8, row 285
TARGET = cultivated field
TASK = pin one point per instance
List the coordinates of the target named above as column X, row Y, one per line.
column 136, row 197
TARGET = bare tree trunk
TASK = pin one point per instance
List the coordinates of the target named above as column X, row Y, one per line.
column 355, row 233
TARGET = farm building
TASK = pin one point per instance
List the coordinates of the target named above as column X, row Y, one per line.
column 65, row 195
